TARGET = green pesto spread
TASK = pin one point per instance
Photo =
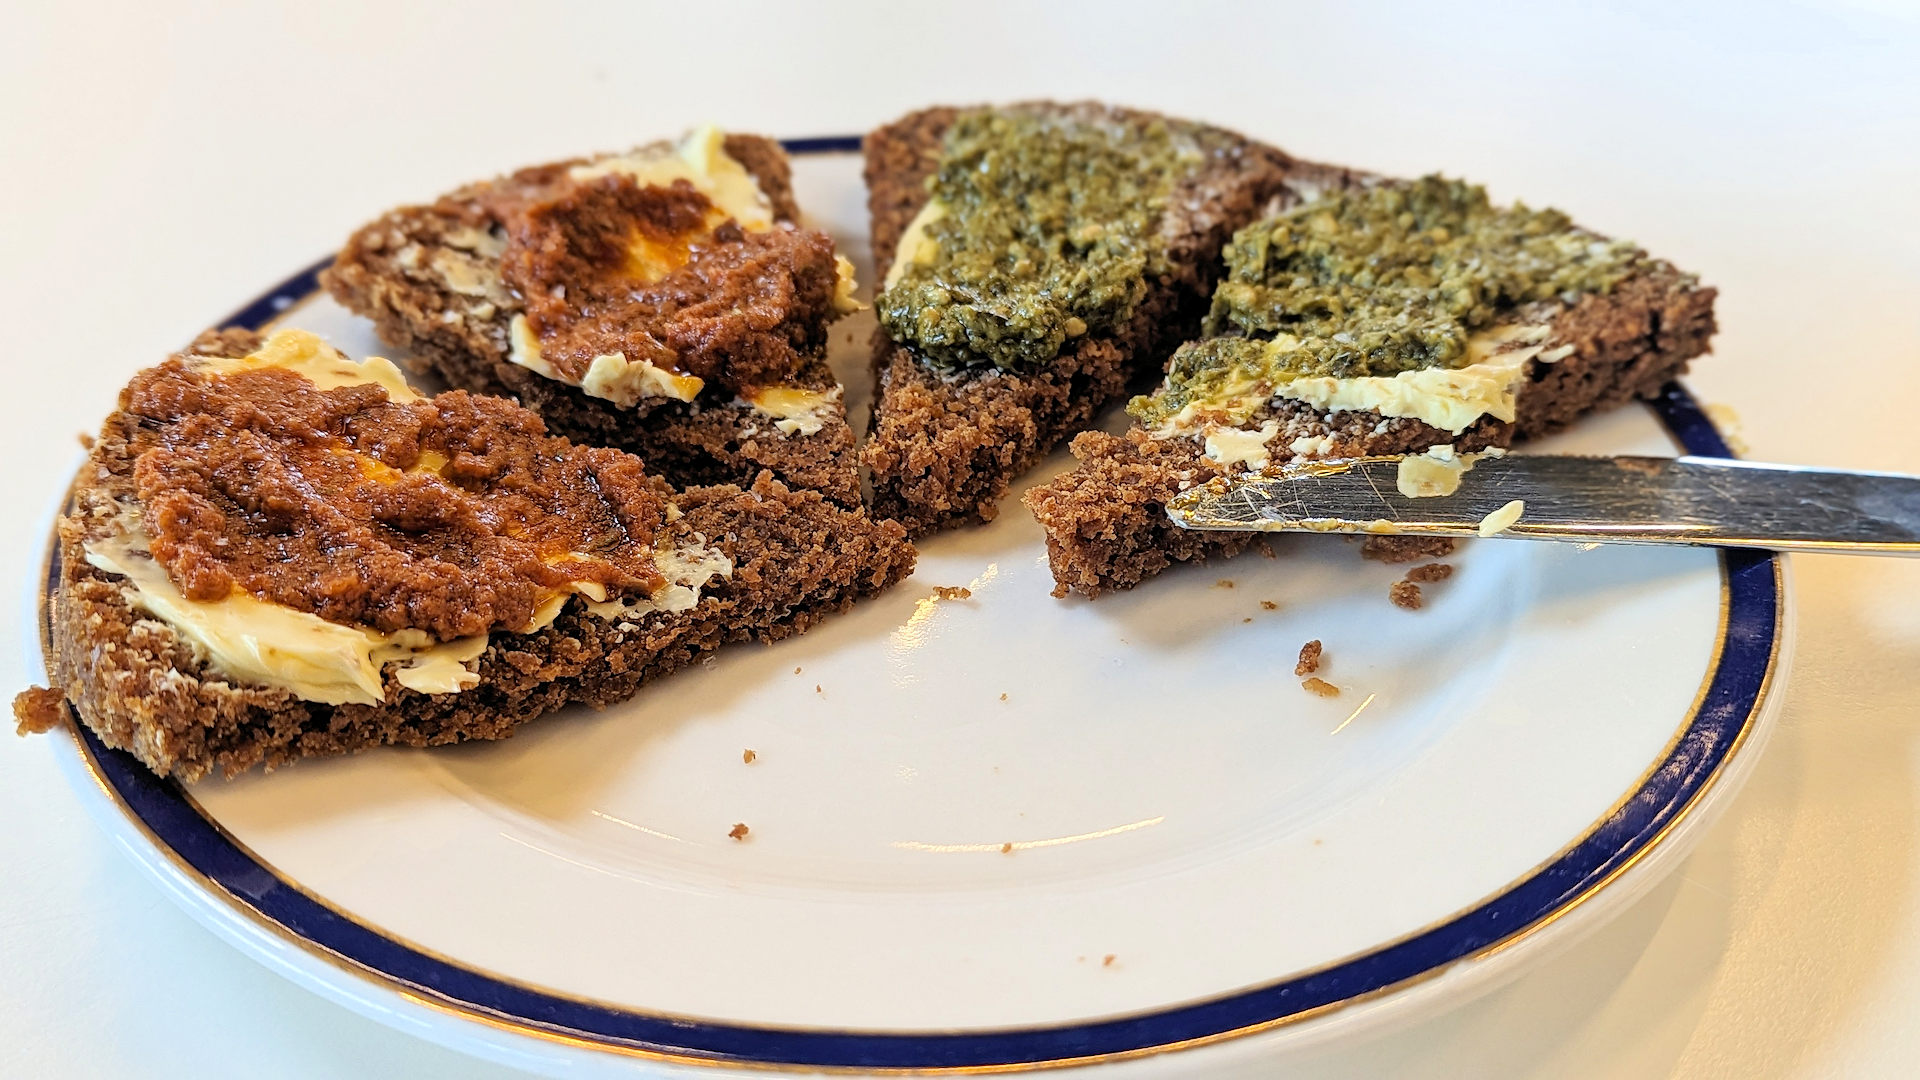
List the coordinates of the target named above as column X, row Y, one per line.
column 1389, row 279
column 1047, row 229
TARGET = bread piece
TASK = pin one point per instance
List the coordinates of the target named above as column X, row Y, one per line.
column 430, row 279
column 1106, row 522
column 796, row 556
column 943, row 447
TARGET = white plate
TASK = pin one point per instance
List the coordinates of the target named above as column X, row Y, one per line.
column 1012, row 830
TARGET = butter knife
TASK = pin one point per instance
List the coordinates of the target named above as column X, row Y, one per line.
column 1613, row 500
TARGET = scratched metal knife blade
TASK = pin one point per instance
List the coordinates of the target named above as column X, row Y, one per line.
column 1618, row 500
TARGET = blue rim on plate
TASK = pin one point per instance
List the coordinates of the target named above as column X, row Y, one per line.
column 1728, row 708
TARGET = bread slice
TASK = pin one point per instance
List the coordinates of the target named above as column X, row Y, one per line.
column 1105, row 521
column 796, row 557
column 430, row 278
column 943, row 447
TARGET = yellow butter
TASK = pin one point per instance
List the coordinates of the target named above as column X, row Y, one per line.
column 305, row 354
column 266, row 644
column 701, row 160
column 1502, row 519
column 1230, row 446
column 795, row 411
column 915, row 246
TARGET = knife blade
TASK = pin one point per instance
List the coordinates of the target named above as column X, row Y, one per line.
column 1614, row 500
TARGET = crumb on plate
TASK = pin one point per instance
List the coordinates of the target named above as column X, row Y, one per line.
column 748, row 756
column 1309, row 658
column 739, row 830
column 1431, row 572
column 1321, row 687
column 1405, row 594
column 952, row 592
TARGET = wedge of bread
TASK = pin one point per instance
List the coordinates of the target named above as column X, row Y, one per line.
column 771, row 562
column 1105, row 521
column 433, row 280
column 944, row 445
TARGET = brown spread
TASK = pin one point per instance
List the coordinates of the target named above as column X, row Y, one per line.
column 658, row 274
column 453, row 516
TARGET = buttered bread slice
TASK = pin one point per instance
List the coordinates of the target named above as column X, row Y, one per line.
column 1036, row 258
column 275, row 552
column 1379, row 317
column 663, row 301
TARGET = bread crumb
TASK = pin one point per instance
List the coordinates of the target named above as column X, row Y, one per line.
column 749, row 756
column 739, row 830
column 1224, row 583
column 796, row 671
column 1246, row 620
column 1431, row 572
column 1399, row 549
column 952, row 592
column 817, row 690
column 1309, row 658
column 1268, row 605
column 86, row 441
column 1266, row 549
column 1405, row 594
column 1006, row 848
column 1321, row 687
column 1107, row 960
column 37, row 710
column 1003, row 697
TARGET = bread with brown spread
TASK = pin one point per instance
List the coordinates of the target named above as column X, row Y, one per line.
column 795, row 558
column 431, row 279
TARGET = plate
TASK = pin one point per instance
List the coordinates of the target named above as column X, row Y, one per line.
column 1008, row 831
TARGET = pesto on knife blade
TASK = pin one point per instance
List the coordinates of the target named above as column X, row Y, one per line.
column 1392, row 278
column 1040, row 229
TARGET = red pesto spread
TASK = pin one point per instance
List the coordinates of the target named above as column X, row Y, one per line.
column 661, row 274
column 455, row 515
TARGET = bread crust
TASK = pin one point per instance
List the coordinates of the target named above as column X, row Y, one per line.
column 429, row 278
column 798, row 557
column 944, row 447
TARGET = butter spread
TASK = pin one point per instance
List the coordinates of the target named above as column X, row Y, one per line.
column 701, row 160
column 687, row 568
column 844, row 286
column 795, row 411
column 1231, row 446
column 1436, row 472
column 915, row 246
column 1502, row 519
column 304, row 354
column 271, row 645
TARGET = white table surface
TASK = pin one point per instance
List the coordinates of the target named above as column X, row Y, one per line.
column 162, row 166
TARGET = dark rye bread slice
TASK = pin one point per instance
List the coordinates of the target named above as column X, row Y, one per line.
column 943, row 447
column 797, row 558
column 429, row 278
column 1106, row 523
